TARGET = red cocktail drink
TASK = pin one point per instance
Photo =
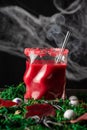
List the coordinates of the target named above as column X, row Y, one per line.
column 44, row 77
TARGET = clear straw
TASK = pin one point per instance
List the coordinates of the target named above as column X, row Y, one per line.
column 63, row 47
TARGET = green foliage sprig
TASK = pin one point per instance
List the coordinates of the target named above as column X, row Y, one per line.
column 11, row 121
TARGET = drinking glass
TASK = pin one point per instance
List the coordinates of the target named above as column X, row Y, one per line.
column 45, row 76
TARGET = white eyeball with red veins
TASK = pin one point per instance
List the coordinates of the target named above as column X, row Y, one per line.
column 17, row 100
column 73, row 100
column 69, row 114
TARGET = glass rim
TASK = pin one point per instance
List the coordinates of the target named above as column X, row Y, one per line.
column 44, row 51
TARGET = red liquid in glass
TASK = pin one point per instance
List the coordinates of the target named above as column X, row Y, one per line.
column 44, row 80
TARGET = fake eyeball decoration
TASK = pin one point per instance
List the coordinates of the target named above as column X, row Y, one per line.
column 69, row 114
column 73, row 100
column 17, row 100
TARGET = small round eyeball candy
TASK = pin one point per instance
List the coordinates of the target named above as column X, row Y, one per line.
column 69, row 114
column 17, row 100
column 73, row 100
